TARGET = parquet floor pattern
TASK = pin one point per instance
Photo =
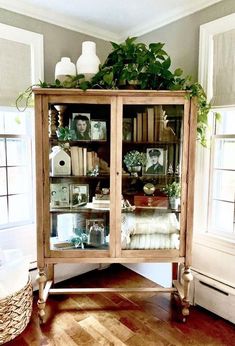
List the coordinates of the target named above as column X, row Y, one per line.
column 121, row 319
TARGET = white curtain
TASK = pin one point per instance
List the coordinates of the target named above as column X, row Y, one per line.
column 224, row 69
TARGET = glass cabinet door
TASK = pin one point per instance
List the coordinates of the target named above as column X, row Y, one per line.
column 79, row 177
column 152, row 159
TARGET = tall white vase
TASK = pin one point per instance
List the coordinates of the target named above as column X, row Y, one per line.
column 88, row 62
column 63, row 68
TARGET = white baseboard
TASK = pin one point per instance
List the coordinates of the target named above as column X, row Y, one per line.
column 214, row 296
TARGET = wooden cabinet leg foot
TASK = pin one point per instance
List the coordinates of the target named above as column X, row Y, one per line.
column 41, row 302
column 187, row 278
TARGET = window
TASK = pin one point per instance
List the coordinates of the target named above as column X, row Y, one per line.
column 215, row 171
column 21, row 61
column 16, row 179
column 221, row 211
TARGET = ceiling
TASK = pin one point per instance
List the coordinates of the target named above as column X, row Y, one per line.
column 111, row 20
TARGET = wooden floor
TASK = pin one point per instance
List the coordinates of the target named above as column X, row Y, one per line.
column 121, row 319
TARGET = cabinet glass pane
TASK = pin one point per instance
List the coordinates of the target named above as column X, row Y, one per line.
column 80, row 193
column 152, row 162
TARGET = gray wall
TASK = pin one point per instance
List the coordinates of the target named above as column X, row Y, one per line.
column 181, row 38
column 58, row 41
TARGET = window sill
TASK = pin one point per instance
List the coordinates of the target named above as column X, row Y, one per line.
column 215, row 242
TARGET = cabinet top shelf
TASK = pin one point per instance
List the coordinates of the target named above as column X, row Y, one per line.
column 109, row 92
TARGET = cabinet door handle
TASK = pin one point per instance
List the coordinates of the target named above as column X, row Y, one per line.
column 117, row 173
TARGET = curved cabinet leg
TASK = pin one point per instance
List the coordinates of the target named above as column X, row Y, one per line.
column 187, row 278
column 41, row 301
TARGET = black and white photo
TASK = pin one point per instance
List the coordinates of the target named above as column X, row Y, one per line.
column 98, row 130
column 156, row 161
column 79, row 195
column 59, row 197
column 80, row 126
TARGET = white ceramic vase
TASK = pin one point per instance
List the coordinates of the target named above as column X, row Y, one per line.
column 88, row 62
column 63, row 68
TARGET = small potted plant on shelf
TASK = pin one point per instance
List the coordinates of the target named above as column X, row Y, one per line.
column 134, row 160
column 173, row 191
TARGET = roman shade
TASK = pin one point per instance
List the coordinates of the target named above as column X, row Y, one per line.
column 224, row 69
column 15, row 70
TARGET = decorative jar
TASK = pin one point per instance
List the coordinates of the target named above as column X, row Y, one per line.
column 64, row 68
column 88, row 62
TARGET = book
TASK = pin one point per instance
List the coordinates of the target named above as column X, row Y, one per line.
column 150, row 112
column 134, row 130
column 89, row 161
column 139, row 127
column 74, row 160
column 80, row 161
column 84, row 161
column 145, row 127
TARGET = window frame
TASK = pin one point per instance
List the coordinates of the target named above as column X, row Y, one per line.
column 24, row 237
column 210, row 230
column 205, row 77
column 29, row 143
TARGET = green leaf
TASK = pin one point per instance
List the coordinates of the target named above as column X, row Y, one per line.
column 178, row 72
column 108, row 78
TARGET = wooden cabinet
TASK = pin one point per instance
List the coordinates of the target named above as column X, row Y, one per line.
column 103, row 210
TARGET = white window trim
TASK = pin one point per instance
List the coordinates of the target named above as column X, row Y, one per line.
column 205, row 74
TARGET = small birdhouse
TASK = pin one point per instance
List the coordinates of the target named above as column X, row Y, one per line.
column 60, row 162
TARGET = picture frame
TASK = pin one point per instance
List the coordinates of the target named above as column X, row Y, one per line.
column 156, row 161
column 59, row 195
column 79, row 195
column 80, row 126
column 95, row 229
column 98, row 130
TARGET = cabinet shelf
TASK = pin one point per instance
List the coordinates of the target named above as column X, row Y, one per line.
column 55, row 141
column 75, row 177
column 145, row 143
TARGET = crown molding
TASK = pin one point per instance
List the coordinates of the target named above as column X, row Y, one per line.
column 60, row 20
column 180, row 13
column 94, row 31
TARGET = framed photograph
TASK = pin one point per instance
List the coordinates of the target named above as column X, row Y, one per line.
column 156, row 161
column 79, row 195
column 95, row 229
column 127, row 129
column 59, row 195
column 98, row 130
column 80, row 127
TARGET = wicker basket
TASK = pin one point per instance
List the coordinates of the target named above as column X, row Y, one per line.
column 15, row 313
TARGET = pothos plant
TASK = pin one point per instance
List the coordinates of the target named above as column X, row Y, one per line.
column 136, row 65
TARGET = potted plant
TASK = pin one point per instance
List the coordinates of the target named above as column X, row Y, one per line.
column 137, row 65
column 134, row 160
column 173, row 192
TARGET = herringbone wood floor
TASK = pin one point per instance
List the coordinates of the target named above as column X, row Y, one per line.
column 121, row 319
